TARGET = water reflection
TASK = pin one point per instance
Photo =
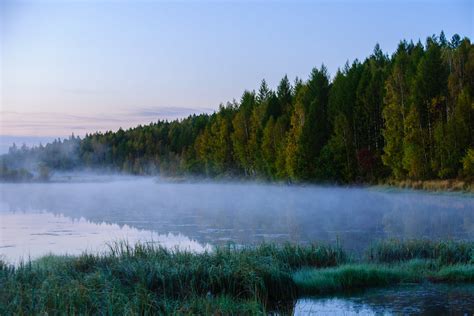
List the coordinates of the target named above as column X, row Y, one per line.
column 30, row 235
column 427, row 299
column 215, row 213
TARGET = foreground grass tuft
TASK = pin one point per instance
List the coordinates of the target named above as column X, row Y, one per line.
column 144, row 279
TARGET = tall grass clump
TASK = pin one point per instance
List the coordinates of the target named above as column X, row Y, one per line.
column 144, row 279
column 350, row 277
column 345, row 278
column 392, row 262
column 455, row 274
column 295, row 256
column 262, row 272
column 446, row 252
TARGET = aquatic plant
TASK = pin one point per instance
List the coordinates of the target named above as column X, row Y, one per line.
column 146, row 279
column 446, row 252
column 344, row 278
column 350, row 277
column 455, row 273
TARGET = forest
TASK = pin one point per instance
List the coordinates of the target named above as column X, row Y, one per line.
column 405, row 116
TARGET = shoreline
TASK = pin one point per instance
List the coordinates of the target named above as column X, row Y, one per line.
column 436, row 185
column 448, row 185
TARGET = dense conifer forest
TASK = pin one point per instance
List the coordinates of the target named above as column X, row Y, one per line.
column 405, row 116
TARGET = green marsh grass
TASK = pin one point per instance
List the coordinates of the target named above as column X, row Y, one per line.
column 409, row 262
column 455, row 273
column 354, row 276
column 446, row 252
column 344, row 278
column 145, row 279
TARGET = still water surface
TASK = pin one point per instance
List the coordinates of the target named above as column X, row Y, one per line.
column 84, row 213
column 78, row 213
column 425, row 299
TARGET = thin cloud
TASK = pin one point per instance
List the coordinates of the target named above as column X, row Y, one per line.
column 63, row 124
column 170, row 111
column 85, row 91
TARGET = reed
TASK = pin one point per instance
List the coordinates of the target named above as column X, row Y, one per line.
column 145, row 279
column 446, row 252
column 352, row 277
column 345, row 278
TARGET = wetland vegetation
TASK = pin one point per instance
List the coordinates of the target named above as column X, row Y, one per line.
column 144, row 279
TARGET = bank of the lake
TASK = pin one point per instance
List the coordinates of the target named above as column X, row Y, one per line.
column 436, row 185
column 145, row 279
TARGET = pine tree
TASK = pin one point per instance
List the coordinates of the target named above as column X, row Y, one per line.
column 269, row 148
column 396, row 103
column 337, row 160
column 241, row 132
column 414, row 156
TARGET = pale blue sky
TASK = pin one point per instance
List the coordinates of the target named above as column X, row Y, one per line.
column 81, row 66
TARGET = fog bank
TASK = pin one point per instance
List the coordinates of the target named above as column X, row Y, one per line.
column 213, row 213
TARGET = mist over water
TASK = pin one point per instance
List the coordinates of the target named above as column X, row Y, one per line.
column 83, row 212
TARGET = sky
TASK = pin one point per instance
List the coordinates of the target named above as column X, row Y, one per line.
column 84, row 66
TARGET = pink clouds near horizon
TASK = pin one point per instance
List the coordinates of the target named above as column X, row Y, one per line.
column 53, row 124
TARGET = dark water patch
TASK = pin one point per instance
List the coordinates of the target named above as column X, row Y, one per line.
column 425, row 299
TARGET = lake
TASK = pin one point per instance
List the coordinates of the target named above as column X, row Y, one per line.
column 75, row 213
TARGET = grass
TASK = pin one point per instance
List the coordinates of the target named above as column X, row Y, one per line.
column 455, row 273
column 351, row 277
column 144, row 279
column 434, row 185
column 344, row 278
column 445, row 252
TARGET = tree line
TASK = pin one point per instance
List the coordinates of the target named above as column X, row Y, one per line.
column 408, row 115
